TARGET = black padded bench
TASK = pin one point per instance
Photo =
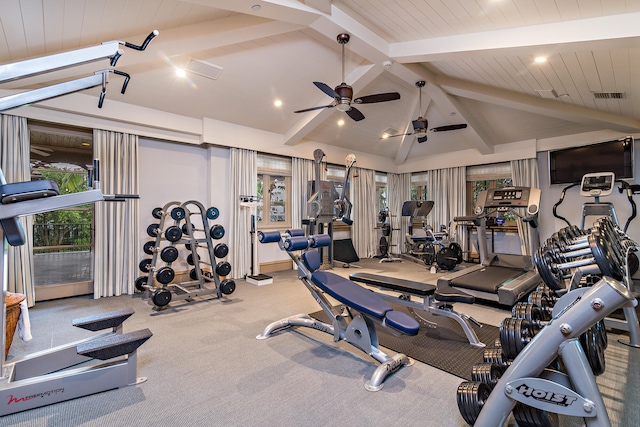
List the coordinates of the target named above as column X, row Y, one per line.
column 412, row 287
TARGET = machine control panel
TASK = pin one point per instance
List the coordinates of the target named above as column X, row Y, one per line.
column 509, row 197
column 597, row 184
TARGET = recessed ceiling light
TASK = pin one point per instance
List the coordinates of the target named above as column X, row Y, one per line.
column 256, row 7
column 86, row 144
column 540, row 59
column 385, row 135
column 277, row 103
column 180, row 72
column 340, row 122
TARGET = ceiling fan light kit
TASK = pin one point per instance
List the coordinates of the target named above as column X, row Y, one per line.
column 343, row 93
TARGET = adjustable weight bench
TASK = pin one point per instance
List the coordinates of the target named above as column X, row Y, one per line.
column 355, row 321
column 436, row 302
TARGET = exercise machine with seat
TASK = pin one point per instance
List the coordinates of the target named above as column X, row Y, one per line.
column 51, row 376
column 359, row 313
column 501, row 278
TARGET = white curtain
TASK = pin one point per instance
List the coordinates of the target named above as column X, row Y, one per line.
column 399, row 191
column 525, row 174
column 302, row 171
column 365, row 212
column 15, row 163
column 447, row 188
column 116, row 223
column 244, row 173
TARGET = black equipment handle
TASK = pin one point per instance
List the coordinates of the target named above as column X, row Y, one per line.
column 555, row 207
column 624, row 185
column 150, row 37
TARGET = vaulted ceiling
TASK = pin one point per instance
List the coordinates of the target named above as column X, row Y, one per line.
column 477, row 58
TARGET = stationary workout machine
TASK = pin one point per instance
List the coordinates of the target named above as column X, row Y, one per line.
column 48, row 376
column 356, row 319
column 502, row 278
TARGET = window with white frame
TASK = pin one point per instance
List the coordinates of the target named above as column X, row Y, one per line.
column 419, row 186
column 274, row 191
column 381, row 190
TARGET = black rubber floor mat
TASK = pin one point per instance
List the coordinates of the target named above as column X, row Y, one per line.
column 445, row 347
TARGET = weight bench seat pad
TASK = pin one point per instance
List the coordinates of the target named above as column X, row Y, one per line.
column 363, row 300
column 27, row 190
column 393, row 283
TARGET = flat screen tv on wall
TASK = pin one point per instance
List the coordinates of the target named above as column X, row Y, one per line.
column 569, row 165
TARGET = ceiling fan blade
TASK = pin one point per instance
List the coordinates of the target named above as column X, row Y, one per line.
column 422, row 139
column 378, row 97
column 400, row 134
column 326, row 89
column 448, row 127
column 314, row 108
column 355, row 114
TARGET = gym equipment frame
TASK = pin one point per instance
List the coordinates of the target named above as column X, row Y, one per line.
column 44, row 64
column 48, row 376
column 528, row 381
column 355, row 321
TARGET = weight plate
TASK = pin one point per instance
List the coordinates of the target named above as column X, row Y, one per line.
column 227, row 286
column 386, row 229
column 457, row 250
column 471, row 397
column 156, row 213
column 152, row 230
column 604, row 257
column 383, row 246
column 187, row 246
column 217, row 231
column 527, row 416
column 169, row 254
column 446, row 259
column 223, row 268
column 602, row 333
column 213, row 213
column 148, row 247
column 594, row 349
column 382, row 216
column 221, row 250
column 185, row 229
column 141, row 282
column 633, row 262
column 165, row 275
column 544, row 264
column 429, row 255
column 145, row 265
column 161, row 297
column 190, row 259
column 173, row 233
column 488, row 373
column 178, row 213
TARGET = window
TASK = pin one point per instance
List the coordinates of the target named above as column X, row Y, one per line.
column 274, row 191
column 419, row 186
column 483, row 177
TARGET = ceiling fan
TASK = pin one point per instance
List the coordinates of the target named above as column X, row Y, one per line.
column 343, row 93
column 41, row 151
column 421, row 124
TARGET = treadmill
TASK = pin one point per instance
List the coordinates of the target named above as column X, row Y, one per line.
column 501, row 278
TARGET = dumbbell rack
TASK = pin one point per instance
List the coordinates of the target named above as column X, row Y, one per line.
column 157, row 288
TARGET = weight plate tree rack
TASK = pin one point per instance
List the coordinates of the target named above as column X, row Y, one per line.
column 385, row 243
column 177, row 227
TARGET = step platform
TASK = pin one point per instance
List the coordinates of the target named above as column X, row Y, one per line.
column 103, row 321
column 114, row 345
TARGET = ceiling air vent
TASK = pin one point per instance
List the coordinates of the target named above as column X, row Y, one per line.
column 608, row 95
column 203, row 68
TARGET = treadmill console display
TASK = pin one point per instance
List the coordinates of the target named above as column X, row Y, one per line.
column 597, row 184
column 509, row 197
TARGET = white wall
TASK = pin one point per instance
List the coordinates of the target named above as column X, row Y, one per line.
column 176, row 172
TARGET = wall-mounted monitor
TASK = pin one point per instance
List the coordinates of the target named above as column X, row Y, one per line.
column 569, row 165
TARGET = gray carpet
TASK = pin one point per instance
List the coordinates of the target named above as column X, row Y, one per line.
column 206, row 368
